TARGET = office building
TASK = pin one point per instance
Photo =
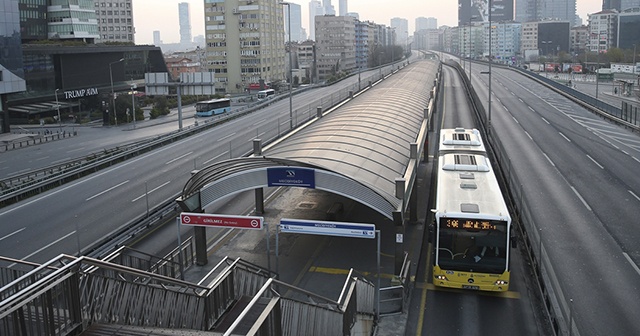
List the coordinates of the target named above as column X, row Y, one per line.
column 296, row 22
column 157, row 41
column 335, row 45
column 315, row 9
column 620, row 5
column 401, row 27
column 11, row 64
column 629, row 29
column 343, row 10
column 328, row 7
column 502, row 10
column 539, row 10
column 245, row 44
column 505, row 41
column 114, row 17
column 184, row 19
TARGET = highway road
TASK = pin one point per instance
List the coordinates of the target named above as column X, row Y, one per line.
column 457, row 312
column 579, row 177
column 73, row 216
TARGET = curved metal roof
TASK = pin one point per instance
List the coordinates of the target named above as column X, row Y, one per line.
column 357, row 150
column 368, row 139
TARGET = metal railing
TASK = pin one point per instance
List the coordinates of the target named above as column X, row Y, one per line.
column 80, row 292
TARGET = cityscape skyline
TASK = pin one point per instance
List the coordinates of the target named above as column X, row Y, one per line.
column 165, row 18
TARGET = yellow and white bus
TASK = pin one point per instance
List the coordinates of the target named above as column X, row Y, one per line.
column 472, row 232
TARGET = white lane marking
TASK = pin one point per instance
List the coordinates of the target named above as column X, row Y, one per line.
column 635, row 158
column 531, row 108
column 42, row 158
column 227, row 136
column 61, row 160
column 564, row 136
column 520, row 99
column 581, row 199
column 106, row 191
column 150, row 191
column 49, row 245
column 259, row 122
column 215, row 157
column 19, row 172
column 516, row 120
column 635, row 267
column 529, row 135
column 545, row 120
column 596, row 162
column 549, row 159
column 178, row 158
column 11, row 234
column 75, row 150
column 631, row 192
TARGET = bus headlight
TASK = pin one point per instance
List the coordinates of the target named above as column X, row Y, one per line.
column 442, row 278
column 500, row 283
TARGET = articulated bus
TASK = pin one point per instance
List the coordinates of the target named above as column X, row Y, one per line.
column 472, row 232
column 266, row 94
column 212, row 107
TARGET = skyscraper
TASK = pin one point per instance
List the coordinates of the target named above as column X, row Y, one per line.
column 61, row 27
column 343, row 8
column 401, row 29
column 156, row 38
column 315, row 9
column 328, row 8
column 296, row 22
column 184, row 16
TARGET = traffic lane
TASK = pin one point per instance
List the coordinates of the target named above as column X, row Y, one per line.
column 471, row 310
column 573, row 245
column 456, row 112
column 597, row 167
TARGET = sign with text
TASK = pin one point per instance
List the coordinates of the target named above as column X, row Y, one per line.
column 325, row 228
column 291, row 177
column 223, row 221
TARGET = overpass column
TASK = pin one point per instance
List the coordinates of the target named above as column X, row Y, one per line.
column 259, row 192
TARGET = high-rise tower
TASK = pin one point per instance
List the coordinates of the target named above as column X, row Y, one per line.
column 184, row 16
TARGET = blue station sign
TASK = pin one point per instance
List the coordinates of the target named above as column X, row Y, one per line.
column 291, row 177
column 326, row 228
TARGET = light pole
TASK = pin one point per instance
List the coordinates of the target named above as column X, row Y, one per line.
column 133, row 104
column 290, row 65
column 113, row 97
column 471, row 18
column 58, row 108
column 490, row 33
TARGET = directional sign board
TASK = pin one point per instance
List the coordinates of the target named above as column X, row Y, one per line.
column 325, row 228
column 224, row 221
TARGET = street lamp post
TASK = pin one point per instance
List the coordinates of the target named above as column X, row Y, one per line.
column 133, row 104
column 290, row 65
column 490, row 33
column 471, row 18
column 58, row 108
column 113, row 98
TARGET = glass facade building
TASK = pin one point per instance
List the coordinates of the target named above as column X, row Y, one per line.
column 11, row 67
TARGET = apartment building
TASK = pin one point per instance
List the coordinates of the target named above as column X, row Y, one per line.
column 335, row 45
column 245, row 45
column 603, row 28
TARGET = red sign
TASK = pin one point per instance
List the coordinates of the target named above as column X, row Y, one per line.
column 225, row 221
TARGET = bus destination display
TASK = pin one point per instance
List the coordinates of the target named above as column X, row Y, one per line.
column 470, row 224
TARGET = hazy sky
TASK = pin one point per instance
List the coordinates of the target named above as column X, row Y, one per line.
column 162, row 15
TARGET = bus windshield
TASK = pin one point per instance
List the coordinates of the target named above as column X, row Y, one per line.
column 473, row 250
